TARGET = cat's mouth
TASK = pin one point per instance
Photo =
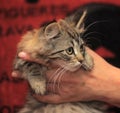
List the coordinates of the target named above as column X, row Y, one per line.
column 73, row 67
column 84, row 65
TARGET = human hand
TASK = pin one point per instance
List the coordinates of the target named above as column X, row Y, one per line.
column 82, row 85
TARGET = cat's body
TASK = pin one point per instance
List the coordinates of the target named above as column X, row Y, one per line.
column 62, row 43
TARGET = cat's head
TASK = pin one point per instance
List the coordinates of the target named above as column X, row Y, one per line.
column 61, row 42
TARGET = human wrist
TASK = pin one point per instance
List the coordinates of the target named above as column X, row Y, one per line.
column 111, row 93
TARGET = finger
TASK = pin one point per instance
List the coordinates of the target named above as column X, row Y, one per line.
column 26, row 56
column 51, row 98
column 53, row 88
column 16, row 74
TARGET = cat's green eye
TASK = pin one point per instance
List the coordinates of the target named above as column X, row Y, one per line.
column 70, row 51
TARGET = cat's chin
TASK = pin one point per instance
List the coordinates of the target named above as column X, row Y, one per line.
column 87, row 67
column 73, row 68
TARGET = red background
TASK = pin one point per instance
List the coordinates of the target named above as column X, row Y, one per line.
column 16, row 17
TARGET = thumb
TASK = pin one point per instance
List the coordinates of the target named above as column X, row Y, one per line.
column 51, row 98
column 27, row 57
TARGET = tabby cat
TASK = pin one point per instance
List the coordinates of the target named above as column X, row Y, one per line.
column 59, row 41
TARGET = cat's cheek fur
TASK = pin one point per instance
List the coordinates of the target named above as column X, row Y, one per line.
column 74, row 67
column 88, row 62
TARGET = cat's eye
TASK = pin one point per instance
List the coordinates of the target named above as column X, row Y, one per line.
column 70, row 51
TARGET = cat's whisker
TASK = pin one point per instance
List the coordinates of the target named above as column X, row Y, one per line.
column 92, row 39
column 54, row 74
column 60, row 75
column 56, row 78
column 91, row 33
column 96, row 22
column 60, row 78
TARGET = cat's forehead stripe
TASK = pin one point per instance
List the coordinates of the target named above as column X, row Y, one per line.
column 74, row 35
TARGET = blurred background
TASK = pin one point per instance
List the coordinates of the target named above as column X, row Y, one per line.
column 17, row 17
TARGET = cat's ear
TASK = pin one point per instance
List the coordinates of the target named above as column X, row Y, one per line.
column 52, row 30
column 80, row 23
column 64, row 24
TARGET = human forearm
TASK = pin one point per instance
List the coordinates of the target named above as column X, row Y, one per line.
column 111, row 89
column 106, row 81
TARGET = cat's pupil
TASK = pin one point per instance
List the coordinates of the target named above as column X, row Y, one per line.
column 70, row 51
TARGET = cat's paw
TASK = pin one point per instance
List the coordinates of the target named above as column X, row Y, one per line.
column 38, row 86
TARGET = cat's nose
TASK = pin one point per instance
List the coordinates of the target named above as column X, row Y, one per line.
column 80, row 58
column 81, row 61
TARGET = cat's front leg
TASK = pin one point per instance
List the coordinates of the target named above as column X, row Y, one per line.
column 36, row 77
column 34, row 73
column 38, row 84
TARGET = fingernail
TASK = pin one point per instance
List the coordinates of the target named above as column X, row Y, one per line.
column 14, row 74
column 22, row 54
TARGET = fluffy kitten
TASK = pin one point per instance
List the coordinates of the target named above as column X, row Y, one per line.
column 60, row 42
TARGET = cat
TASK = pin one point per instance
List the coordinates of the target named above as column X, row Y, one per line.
column 60, row 41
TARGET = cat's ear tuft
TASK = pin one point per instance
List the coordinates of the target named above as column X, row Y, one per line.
column 80, row 23
column 52, row 30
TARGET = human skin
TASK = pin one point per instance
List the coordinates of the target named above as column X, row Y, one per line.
column 101, row 83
